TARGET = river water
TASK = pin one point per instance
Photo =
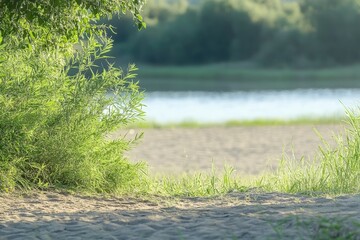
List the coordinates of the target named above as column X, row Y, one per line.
column 217, row 107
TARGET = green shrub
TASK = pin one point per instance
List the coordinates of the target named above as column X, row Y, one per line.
column 57, row 104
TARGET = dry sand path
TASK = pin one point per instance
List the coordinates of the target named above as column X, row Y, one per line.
column 250, row 150
column 46, row 215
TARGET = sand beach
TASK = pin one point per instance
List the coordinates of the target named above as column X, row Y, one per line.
column 251, row 150
column 237, row 215
column 49, row 215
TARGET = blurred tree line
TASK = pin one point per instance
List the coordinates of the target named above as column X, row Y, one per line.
column 303, row 33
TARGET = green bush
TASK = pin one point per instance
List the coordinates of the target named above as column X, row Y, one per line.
column 57, row 105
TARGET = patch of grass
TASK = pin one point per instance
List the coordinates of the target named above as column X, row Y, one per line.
column 210, row 184
column 320, row 227
column 279, row 122
column 334, row 171
column 232, row 76
column 235, row 123
column 238, row 71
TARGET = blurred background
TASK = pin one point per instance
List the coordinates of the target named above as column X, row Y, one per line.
column 221, row 60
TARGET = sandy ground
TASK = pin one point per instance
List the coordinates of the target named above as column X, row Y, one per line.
column 250, row 215
column 250, row 150
column 48, row 215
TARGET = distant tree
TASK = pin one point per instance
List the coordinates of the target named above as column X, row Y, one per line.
column 247, row 36
column 299, row 33
column 335, row 28
column 216, row 33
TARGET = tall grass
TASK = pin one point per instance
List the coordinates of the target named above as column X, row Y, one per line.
column 336, row 170
column 54, row 114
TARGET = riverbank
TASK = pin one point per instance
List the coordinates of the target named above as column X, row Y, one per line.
column 248, row 214
column 237, row 76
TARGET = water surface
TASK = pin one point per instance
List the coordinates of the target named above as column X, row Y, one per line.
column 216, row 107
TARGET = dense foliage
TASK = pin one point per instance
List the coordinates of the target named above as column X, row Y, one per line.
column 57, row 104
column 299, row 33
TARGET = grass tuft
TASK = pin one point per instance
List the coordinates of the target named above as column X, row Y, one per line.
column 320, row 227
column 334, row 171
column 210, row 184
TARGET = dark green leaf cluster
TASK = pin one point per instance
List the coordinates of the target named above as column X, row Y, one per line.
column 57, row 22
